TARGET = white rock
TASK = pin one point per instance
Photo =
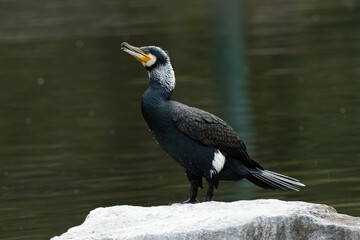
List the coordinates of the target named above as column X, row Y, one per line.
column 257, row 219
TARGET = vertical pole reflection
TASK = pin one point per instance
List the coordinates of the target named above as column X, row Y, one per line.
column 230, row 69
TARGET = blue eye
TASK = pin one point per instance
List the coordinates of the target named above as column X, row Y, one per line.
column 147, row 51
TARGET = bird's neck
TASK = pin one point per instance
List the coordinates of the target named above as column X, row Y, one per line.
column 157, row 95
column 156, row 92
column 162, row 76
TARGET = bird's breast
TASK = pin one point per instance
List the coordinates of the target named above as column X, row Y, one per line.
column 157, row 113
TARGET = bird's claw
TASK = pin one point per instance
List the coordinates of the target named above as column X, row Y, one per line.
column 191, row 200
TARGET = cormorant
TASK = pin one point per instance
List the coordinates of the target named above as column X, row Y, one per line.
column 202, row 143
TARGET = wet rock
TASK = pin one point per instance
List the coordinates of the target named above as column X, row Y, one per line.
column 257, row 219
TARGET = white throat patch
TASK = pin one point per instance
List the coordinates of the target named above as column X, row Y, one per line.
column 150, row 62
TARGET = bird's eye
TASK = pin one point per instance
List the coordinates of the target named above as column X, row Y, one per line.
column 147, row 51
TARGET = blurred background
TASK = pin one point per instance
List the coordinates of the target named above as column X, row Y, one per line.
column 284, row 74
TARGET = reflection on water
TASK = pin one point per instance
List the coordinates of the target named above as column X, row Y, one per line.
column 72, row 135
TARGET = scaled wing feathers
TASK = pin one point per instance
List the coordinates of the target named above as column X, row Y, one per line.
column 211, row 131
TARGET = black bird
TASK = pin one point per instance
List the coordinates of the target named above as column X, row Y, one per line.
column 203, row 144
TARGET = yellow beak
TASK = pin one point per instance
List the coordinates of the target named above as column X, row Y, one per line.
column 136, row 52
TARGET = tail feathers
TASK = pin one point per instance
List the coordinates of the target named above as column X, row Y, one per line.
column 271, row 180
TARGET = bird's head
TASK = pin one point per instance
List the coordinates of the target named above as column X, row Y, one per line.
column 149, row 56
column 157, row 63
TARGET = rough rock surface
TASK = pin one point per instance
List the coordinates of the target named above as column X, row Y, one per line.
column 257, row 219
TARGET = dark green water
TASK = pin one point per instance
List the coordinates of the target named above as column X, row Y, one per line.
column 286, row 75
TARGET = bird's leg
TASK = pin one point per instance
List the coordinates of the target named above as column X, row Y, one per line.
column 196, row 182
column 210, row 192
column 193, row 192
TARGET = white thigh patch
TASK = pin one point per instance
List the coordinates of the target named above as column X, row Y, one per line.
column 219, row 161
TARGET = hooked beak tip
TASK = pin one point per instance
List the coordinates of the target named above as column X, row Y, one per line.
column 124, row 45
